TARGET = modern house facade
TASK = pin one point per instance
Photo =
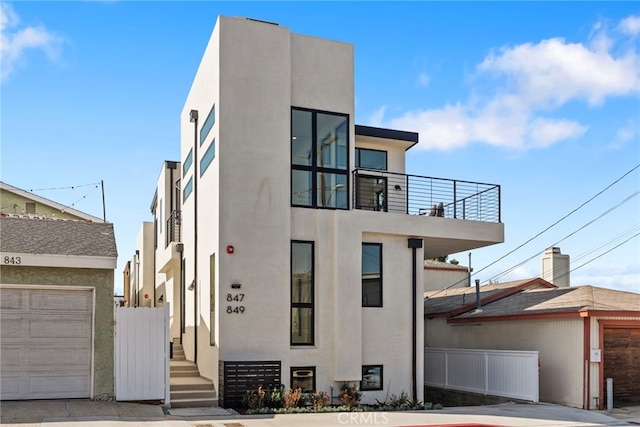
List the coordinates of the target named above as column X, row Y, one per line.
column 56, row 295
column 302, row 239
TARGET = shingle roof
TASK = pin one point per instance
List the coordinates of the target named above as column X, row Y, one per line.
column 450, row 301
column 559, row 300
column 57, row 237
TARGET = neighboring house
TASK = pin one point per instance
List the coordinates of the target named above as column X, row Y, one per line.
column 584, row 334
column 56, row 293
column 440, row 275
column 15, row 201
column 294, row 250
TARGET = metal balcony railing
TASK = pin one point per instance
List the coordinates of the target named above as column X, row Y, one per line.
column 174, row 227
column 384, row 191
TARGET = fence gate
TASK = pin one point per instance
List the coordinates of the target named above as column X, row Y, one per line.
column 142, row 353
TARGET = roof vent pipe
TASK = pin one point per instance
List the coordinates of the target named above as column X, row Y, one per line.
column 478, row 305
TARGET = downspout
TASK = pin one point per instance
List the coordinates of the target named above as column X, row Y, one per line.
column 193, row 117
column 414, row 244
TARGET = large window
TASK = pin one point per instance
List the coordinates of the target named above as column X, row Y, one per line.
column 207, row 125
column 304, row 378
column 371, row 159
column 319, row 159
column 302, row 328
column 372, row 275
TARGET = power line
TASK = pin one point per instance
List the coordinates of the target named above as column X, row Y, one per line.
column 73, row 187
column 545, row 230
column 608, row 211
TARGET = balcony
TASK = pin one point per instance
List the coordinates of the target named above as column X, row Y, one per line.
column 174, row 228
column 383, row 191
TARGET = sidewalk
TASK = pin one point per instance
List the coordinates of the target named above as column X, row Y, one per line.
column 80, row 413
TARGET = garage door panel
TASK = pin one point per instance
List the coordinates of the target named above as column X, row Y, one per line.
column 13, row 327
column 57, row 385
column 621, row 357
column 11, row 299
column 77, row 329
column 59, row 357
column 11, row 386
column 60, row 301
column 46, row 343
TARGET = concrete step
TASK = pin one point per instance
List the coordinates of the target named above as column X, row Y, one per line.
column 190, row 383
column 176, row 368
column 193, row 403
column 185, row 374
column 192, row 395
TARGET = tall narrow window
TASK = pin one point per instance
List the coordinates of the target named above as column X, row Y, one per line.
column 319, row 159
column 160, row 216
column 187, row 163
column 302, row 296
column 372, row 275
column 187, row 190
column 212, row 299
column 207, row 125
column 208, row 157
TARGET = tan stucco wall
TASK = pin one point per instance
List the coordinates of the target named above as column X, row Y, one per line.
column 12, row 203
column 102, row 281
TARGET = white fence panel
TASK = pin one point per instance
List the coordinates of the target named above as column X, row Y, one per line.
column 493, row 372
column 142, row 353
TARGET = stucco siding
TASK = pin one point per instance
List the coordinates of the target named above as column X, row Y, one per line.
column 102, row 281
column 559, row 341
column 15, row 204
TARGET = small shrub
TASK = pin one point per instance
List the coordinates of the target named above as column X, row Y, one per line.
column 254, row 399
column 292, row 397
column 320, row 399
column 349, row 395
column 274, row 399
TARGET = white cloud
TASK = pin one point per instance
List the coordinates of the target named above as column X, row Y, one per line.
column 533, row 81
column 376, row 118
column 424, row 79
column 630, row 25
column 626, row 133
column 14, row 41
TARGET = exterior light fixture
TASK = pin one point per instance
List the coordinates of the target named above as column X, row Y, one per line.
column 397, row 187
column 236, row 285
column 193, row 116
column 192, row 286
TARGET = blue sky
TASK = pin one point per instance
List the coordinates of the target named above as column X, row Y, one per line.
column 541, row 98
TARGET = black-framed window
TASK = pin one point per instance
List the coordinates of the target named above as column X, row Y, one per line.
column 372, row 378
column 372, row 274
column 207, row 125
column 319, row 159
column 187, row 163
column 302, row 293
column 371, row 159
column 303, row 377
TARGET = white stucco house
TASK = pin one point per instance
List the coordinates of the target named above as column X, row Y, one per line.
column 289, row 240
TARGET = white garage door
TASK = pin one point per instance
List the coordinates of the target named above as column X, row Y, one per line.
column 45, row 343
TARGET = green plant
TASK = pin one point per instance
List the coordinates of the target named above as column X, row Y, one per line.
column 320, row 399
column 254, row 399
column 349, row 395
column 274, row 399
column 292, row 397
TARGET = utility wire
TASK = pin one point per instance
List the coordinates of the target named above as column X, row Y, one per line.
column 73, row 187
column 545, row 230
column 608, row 211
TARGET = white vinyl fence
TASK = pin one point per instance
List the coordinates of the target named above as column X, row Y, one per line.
column 492, row 372
column 142, row 353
